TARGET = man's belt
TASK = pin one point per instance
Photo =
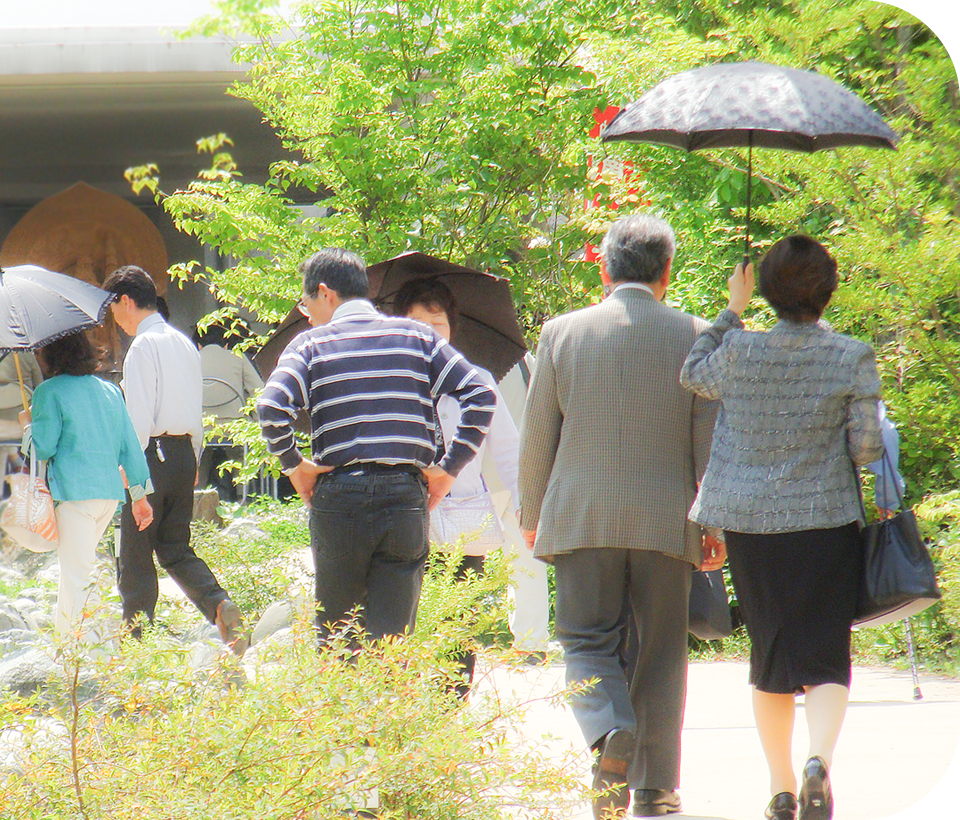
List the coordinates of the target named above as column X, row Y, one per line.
column 375, row 468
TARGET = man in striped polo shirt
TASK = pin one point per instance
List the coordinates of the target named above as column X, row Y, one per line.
column 369, row 383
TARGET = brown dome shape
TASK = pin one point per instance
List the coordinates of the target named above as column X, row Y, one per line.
column 87, row 233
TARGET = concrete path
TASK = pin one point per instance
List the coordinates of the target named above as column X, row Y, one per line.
column 897, row 758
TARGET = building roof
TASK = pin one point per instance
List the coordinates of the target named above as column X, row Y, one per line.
column 86, row 103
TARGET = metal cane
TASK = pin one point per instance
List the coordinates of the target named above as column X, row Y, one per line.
column 917, row 694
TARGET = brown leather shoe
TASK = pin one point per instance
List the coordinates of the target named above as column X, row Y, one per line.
column 610, row 775
column 230, row 623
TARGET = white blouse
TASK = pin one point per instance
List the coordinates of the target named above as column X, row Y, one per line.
column 502, row 444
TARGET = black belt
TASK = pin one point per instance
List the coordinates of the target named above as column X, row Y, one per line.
column 375, row 468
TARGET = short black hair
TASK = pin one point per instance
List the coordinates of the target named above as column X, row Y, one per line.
column 134, row 282
column 637, row 248
column 430, row 292
column 344, row 272
column 797, row 277
column 72, row 355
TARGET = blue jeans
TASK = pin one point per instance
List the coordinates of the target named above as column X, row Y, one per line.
column 368, row 534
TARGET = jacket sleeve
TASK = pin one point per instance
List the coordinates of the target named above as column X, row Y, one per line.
column 132, row 459
column 503, row 448
column 47, row 423
column 539, row 433
column 703, row 419
column 703, row 370
column 864, row 441
column 451, row 374
column 284, row 394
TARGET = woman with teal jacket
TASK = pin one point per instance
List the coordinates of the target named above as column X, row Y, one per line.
column 81, row 427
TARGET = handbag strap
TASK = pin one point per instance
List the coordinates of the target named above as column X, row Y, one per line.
column 887, row 463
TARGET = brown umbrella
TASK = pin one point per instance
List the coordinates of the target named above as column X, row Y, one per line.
column 87, row 233
column 488, row 333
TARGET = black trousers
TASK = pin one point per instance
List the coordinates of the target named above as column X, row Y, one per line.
column 368, row 534
column 173, row 468
column 468, row 659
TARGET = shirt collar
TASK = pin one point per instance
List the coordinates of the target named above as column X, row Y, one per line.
column 354, row 307
column 632, row 286
column 148, row 322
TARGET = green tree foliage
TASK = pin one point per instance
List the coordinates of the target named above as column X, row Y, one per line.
column 890, row 218
column 452, row 128
column 460, row 129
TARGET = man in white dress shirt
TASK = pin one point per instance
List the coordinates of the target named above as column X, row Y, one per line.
column 163, row 389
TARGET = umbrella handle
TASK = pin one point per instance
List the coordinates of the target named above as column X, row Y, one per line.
column 23, row 392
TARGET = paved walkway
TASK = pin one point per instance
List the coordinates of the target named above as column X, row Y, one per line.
column 897, row 758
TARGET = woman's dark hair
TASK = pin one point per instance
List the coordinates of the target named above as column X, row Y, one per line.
column 797, row 278
column 72, row 355
column 430, row 292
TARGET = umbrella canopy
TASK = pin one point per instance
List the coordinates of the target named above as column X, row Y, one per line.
column 39, row 306
column 742, row 104
column 488, row 333
column 750, row 104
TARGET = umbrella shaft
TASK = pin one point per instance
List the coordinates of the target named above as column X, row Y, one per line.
column 746, row 237
column 23, row 392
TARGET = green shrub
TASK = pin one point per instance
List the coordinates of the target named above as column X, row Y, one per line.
column 314, row 735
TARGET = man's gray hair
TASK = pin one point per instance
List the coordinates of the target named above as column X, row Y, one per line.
column 637, row 248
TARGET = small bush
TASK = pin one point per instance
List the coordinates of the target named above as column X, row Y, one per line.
column 313, row 736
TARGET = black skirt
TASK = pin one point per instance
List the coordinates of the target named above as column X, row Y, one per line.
column 797, row 592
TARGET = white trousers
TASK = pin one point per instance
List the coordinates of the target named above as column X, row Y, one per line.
column 530, row 618
column 81, row 525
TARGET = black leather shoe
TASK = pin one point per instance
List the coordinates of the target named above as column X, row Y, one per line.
column 816, row 797
column 782, row 807
column 655, row 802
column 610, row 775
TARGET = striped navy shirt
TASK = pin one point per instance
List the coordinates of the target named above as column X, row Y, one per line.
column 370, row 382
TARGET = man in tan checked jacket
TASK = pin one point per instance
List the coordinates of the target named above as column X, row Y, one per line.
column 611, row 451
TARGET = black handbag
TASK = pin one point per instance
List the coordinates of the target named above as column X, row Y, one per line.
column 899, row 579
column 709, row 608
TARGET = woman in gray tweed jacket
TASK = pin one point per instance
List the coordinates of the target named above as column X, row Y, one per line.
column 798, row 416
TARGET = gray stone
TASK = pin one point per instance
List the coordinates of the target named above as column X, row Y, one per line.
column 205, row 503
column 279, row 615
column 26, row 672
column 32, row 595
column 243, row 528
column 50, row 575
column 204, row 655
column 10, row 618
column 13, row 641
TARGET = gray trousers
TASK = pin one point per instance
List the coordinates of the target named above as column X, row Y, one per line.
column 591, row 585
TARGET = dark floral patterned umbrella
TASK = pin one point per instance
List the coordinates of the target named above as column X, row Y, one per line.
column 749, row 104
